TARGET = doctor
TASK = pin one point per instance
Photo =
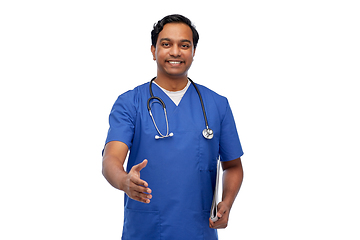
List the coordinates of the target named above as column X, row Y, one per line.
column 170, row 179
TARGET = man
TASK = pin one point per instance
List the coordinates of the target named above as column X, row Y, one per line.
column 170, row 178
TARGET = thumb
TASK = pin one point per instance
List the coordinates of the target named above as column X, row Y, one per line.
column 140, row 166
column 222, row 208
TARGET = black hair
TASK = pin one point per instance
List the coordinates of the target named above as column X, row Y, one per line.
column 158, row 27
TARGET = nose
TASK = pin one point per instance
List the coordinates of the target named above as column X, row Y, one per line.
column 175, row 51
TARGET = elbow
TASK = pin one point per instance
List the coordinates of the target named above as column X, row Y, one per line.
column 242, row 174
column 103, row 172
column 103, row 169
column 241, row 170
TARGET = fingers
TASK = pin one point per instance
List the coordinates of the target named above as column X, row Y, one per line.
column 135, row 179
column 223, row 217
column 141, row 197
column 135, row 173
column 137, row 188
column 138, row 192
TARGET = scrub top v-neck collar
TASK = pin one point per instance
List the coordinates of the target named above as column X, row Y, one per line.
column 167, row 99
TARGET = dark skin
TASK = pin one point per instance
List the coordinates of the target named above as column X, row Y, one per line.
column 174, row 54
column 113, row 170
column 232, row 179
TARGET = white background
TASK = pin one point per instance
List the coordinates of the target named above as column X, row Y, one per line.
column 290, row 70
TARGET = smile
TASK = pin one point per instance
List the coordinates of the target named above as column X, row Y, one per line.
column 175, row 62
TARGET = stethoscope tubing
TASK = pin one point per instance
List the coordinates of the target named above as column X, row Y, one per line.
column 207, row 133
column 202, row 103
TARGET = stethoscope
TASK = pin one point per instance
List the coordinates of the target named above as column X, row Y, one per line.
column 207, row 132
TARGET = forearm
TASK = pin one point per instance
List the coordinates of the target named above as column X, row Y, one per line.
column 114, row 172
column 232, row 180
column 113, row 161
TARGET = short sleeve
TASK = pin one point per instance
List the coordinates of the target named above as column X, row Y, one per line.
column 122, row 119
column 230, row 146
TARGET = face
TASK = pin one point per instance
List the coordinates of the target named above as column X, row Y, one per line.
column 174, row 50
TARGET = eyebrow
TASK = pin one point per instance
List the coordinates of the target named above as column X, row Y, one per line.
column 168, row 39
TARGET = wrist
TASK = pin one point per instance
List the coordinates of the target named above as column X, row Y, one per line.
column 122, row 180
column 228, row 202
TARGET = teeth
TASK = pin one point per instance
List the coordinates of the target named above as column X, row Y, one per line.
column 172, row 62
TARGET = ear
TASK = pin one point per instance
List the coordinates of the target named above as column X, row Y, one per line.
column 194, row 52
column 153, row 49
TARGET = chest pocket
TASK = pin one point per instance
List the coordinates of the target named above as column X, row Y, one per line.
column 209, row 153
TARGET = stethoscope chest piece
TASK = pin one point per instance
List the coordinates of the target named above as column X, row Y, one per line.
column 208, row 133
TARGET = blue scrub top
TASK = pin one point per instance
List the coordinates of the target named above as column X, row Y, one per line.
column 181, row 170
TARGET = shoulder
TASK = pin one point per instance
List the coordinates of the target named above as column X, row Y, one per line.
column 208, row 93
column 132, row 96
column 130, row 100
column 136, row 92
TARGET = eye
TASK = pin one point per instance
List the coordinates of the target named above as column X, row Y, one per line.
column 165, row 44
column 185, row 46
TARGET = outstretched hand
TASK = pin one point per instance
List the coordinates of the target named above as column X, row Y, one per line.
column 135, row 187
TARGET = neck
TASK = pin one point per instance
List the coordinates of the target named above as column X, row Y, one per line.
column 172, row 84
